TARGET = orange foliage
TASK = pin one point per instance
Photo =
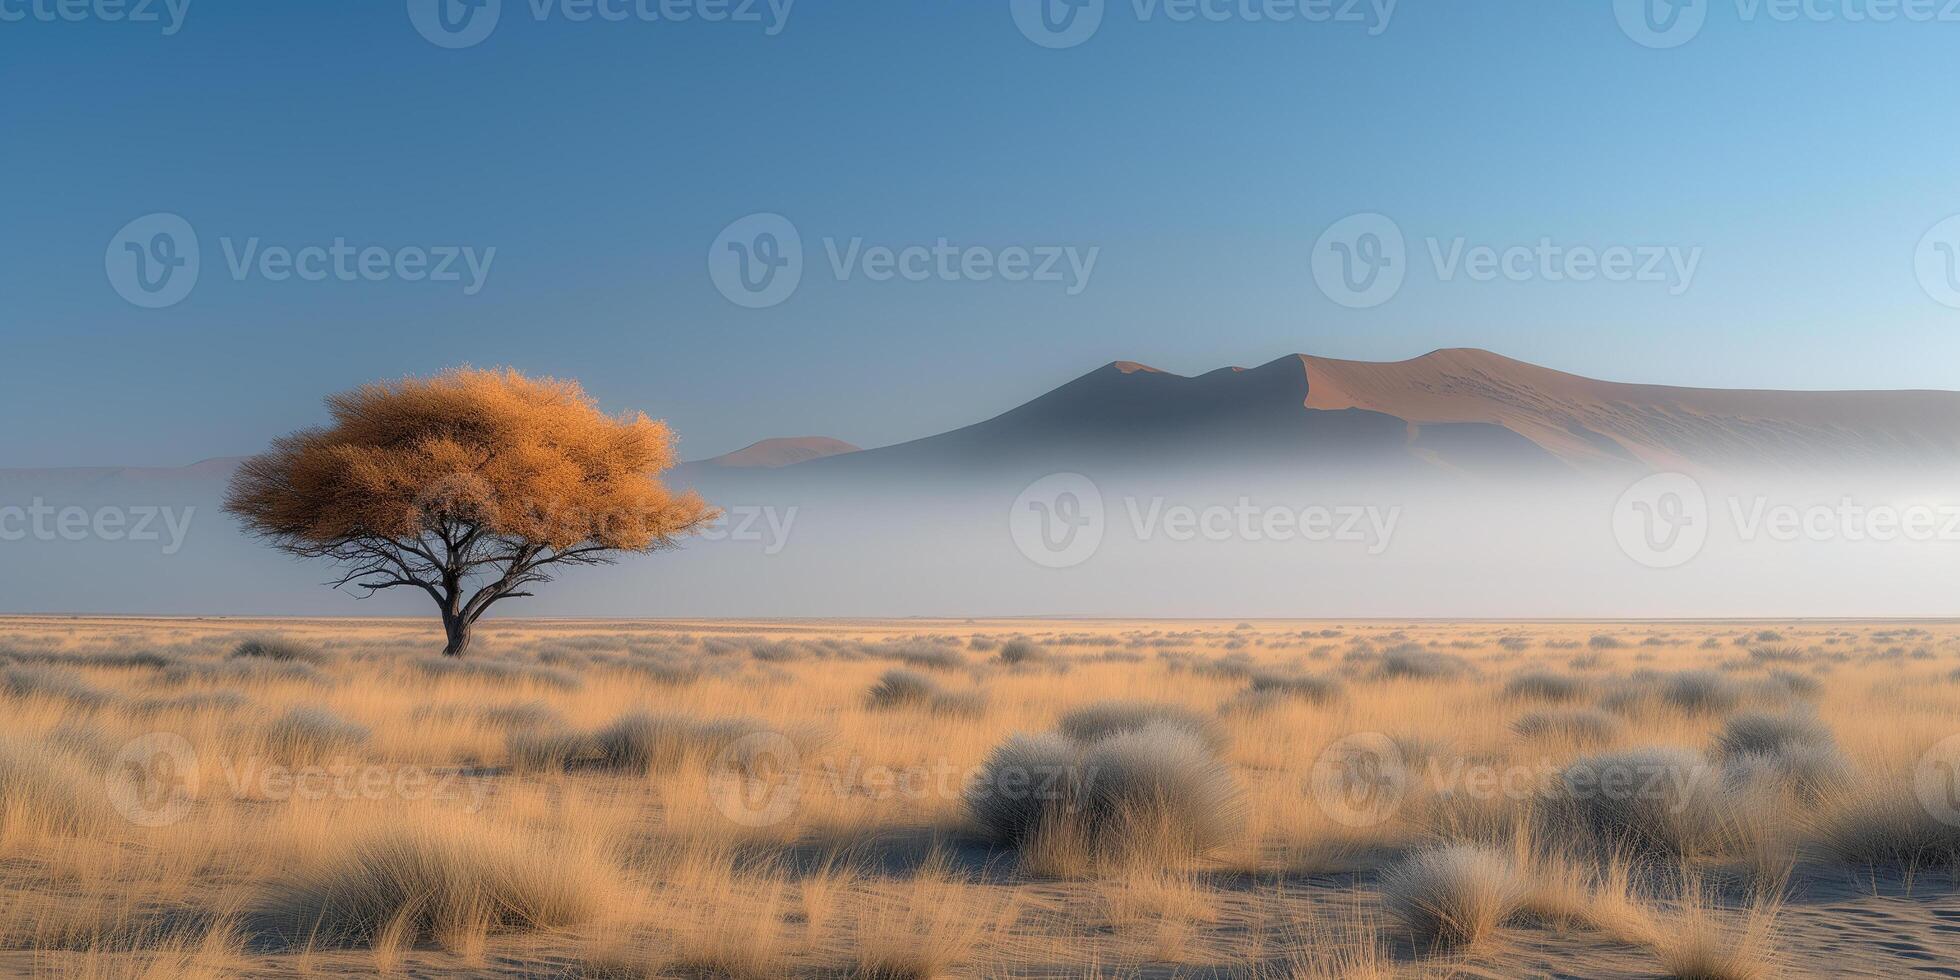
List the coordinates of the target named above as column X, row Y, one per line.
column 528, row 459
column 443, row 483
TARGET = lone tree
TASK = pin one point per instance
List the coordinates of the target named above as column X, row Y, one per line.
column 473, row 486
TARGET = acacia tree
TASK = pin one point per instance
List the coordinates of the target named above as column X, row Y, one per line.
column 473, row 486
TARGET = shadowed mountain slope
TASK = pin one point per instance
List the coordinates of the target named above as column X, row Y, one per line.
column 1456, row 410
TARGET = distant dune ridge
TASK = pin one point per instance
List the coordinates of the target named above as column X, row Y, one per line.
column 1453, row 409
column 1587, row 423
column 771, row 453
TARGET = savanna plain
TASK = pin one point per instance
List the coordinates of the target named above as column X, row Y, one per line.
column 996, row 798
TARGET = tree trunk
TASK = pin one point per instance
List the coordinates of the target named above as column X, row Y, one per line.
column 459, row 636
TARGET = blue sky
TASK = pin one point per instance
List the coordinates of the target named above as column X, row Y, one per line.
column 1800, row 163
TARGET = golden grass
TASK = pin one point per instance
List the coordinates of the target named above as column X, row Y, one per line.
column 1454, row 896
column 794, row 799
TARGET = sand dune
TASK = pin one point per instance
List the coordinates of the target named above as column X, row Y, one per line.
column 770, row 453
column 1591, row 423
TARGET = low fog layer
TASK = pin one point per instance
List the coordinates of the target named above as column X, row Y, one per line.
column 1071, row 543
column 1457, row 484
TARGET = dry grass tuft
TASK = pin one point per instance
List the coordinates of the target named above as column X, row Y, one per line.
column 277, row 648
column 1757, row 733
column 1454, row 896
column 498, row 672
column 641, row 742
column 1700, row 692
column 1890, row 827
column 1701, row 942
column 911, row 689
column 45, row 791
column 1415, row 663
column 1543, row 685
column 1646, row 803
column 1582, row 726
column 313, row 733
column 1148, row 796
column 1021, row 653
column 49, row 683
column 1103, row 719
column 426, row 882
column 1304, row 687
column 550, row 750
column 196, row 702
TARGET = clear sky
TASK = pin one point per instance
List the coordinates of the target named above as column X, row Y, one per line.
column 1798, row 163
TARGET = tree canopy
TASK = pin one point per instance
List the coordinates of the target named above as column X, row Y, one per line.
column 473, row 485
